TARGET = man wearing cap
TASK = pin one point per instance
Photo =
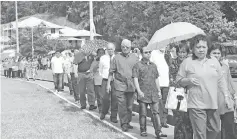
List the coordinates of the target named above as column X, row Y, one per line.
column 121, row 68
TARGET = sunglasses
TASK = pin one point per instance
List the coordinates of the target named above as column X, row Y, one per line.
column 147, row 52
column 216, row 53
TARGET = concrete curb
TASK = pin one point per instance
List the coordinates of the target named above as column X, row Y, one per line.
column 84, row 110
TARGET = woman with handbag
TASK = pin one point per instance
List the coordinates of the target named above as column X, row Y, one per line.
column 226, row 115
column 183, row 128
column 202, row 76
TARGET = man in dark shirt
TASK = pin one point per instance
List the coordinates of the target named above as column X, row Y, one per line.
column 85, row 80
column 145, row 74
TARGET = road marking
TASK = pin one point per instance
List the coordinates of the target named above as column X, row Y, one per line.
column 86, row 111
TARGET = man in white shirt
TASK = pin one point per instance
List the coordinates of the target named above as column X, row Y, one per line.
column 104, row 66
column 57, row 69
column 158, row 58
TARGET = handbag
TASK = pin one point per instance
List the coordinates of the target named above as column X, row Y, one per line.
column 177, row 99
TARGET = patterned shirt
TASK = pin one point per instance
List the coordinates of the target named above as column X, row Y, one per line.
column 173, row 67
column 147, row 74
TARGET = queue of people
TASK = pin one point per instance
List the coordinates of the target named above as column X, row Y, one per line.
column 20, row 67
column 111, row 82
column 113, row 79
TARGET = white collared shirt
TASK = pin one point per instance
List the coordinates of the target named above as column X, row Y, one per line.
column 57, row 64
column 158, row 58
column 104, row 66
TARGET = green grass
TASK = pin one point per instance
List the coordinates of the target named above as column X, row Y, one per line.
column 31, row 112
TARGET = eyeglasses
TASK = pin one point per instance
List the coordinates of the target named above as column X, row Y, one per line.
column 147, row 52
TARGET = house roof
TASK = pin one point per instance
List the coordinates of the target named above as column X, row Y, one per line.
column 69, row 38
column 70, row 32
column 32, row 22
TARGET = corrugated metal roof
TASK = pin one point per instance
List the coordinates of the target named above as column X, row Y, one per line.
column 70, row 32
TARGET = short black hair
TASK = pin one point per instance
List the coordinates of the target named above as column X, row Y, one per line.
column 195, row 40
column 215, row 46
column 100, row 49
column 141, row 50
column 182, row 45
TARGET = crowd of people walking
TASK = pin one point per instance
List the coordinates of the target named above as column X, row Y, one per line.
column 115, row 81
column 108, row 80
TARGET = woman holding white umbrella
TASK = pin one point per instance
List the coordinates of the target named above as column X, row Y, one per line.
column 183, row 128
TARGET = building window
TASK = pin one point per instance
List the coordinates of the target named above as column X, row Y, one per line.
column 52, row 30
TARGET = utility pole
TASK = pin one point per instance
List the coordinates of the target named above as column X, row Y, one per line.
column 17, row 39
column 32, row 41
column 91, row 21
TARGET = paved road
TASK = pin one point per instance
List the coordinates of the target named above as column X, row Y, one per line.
column 29, row 111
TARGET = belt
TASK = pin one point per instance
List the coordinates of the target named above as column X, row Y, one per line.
column 105, row 79
column 84, row 72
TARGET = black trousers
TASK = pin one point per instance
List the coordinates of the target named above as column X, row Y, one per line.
column 228, row 130
column 74, row 87
column 6, row 73
column 14, row 74
column 109, row 100
column 10, row 72
column 20, row 74
column 155, row 116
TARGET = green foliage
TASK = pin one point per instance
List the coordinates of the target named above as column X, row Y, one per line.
column 92, row 45
column 229, row 8
column 136, row 21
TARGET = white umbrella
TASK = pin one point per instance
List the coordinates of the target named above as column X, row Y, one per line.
column 51, row 52
column 173, row 32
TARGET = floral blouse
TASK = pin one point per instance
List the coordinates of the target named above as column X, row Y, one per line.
column 173, row 67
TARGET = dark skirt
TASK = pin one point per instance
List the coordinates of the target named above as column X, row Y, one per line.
column 183, row 128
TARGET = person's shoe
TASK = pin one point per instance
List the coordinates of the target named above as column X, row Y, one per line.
column 83, row 107
column 161, row 135
column 114, row 120
column 165, row 125
column 124, row 128
column 143, row 134
column 129, row 126
column 92, row 107
column 102, row 116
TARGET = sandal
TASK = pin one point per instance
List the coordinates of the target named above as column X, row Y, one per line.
column 143, row 134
